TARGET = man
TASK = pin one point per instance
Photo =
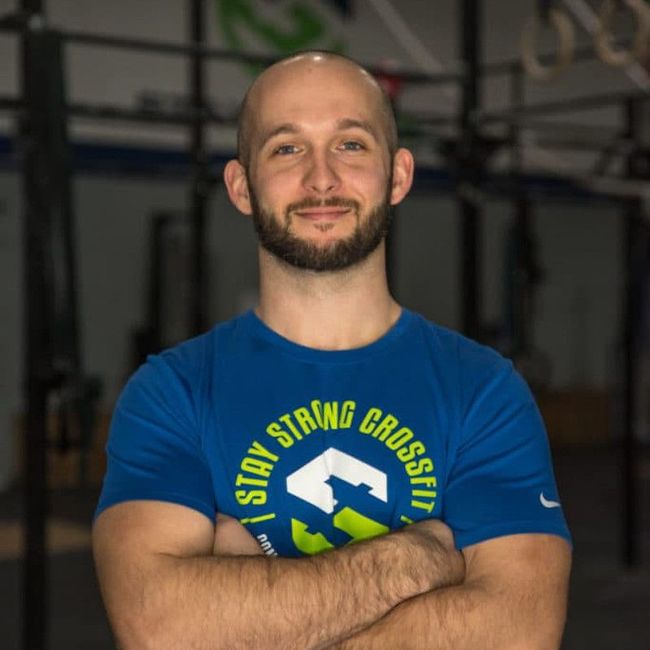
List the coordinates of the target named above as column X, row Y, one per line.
column 395, row 475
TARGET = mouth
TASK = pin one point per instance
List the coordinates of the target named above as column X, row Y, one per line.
column 322, row 213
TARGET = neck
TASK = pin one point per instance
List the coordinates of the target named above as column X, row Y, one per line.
column 328, row 311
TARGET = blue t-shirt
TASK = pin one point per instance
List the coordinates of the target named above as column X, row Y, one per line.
column 313, row 449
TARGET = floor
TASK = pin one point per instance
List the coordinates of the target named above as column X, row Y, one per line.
column 609, row 605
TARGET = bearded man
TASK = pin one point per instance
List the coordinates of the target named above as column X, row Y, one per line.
column 329, row 470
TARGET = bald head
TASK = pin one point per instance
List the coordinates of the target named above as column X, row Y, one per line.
column 300, row 64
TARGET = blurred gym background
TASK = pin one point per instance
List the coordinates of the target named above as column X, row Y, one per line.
column 528, row 228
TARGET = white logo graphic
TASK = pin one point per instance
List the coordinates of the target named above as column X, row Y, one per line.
column 547, row 503
column 309, row 483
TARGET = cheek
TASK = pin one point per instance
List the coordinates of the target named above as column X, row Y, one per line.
column 277, row 188
column 371, row 184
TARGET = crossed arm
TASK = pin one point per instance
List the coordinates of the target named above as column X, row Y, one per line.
column 513, row 597
column 169, row 582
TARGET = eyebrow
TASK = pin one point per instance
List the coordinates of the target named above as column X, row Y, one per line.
column 282, row 129
column 349, row 123
column 290, row 128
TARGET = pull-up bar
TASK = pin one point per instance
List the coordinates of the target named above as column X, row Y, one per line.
column 16, row 24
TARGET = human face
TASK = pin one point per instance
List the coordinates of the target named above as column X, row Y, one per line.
column 320, row 175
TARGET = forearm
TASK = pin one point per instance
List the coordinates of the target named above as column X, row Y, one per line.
column 260, row 602
column 455, row 618
column 503, row 611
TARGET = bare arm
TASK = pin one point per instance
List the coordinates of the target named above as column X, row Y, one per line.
column 164, row 589
column 513, row 597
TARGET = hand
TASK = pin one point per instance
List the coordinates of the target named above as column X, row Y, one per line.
column 232, row 538
column 436, row 539
column 432, row 531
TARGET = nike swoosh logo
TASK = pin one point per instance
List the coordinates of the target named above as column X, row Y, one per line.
column 548, row 503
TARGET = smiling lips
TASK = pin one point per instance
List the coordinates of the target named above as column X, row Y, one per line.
column 322, row 213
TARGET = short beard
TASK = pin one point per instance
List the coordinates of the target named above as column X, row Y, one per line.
column 275, row 235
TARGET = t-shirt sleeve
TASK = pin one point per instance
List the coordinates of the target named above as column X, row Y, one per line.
column 154, row 449
column 501, row 478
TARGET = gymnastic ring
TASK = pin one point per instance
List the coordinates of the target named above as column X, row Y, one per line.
column 603, row 38
column 563, row 26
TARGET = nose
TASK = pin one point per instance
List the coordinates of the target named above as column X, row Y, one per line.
column 321, row 176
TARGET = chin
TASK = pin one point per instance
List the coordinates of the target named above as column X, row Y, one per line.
column 313, row 234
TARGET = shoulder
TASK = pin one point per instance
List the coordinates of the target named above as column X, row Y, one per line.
column 475, row 371
column 457, row 350
column 191, row 355
column 181, row 369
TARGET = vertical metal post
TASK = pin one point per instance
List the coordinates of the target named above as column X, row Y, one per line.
column 470, row 167
column 37, row 341
column 517, row 101
column 199, row 170
column 635, row 260
column 520, row 318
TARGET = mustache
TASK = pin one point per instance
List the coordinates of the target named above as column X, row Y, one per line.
column 331, row 202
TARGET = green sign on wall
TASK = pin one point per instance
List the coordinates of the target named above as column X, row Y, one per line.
column 299, row 27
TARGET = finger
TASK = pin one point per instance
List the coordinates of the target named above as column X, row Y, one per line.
column 231, row 538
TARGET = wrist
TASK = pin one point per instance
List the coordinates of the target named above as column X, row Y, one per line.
column 404, row 562
column 434, row 554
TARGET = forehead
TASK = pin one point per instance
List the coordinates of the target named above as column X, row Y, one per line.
column 315, row 93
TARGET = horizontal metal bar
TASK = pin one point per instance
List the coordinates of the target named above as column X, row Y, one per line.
column 160, row 47
column 428, row 119
column 12, row 22
column 506, row 66
column 119, row 113
column 10, row 103
column 189, row 50
column 180, row 49
column 588, row 102
column 109, row 112
column 573, row 128
column 543, row 141
column 112, row 112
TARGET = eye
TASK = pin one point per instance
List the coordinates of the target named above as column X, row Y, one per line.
column 352, row 145
column 285, row 149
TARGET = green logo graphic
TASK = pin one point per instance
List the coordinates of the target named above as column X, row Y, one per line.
column 356, row 525
column 301, row 28
column 310, row 483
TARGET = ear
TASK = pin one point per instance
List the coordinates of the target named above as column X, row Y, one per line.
column 234, row 176
column 403, row 165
